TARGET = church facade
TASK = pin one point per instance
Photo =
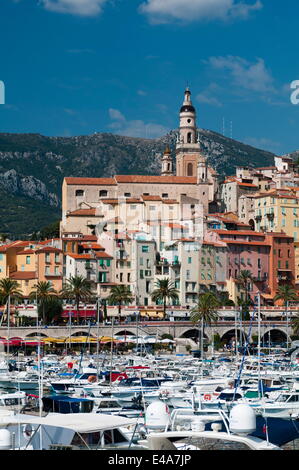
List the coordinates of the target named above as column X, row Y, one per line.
column 87, row 202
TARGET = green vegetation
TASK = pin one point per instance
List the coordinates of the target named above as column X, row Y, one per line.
column 50, row 159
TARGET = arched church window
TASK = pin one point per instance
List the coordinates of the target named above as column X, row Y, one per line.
column 190, row 169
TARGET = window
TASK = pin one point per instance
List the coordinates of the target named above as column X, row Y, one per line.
column 190, row 169
column 144, row 249
column 57, row 270
column 1, row 256
column 141, row 274
column 27, row 259
column 127, row 194
column 103, row 193
column 141, row 262
column 79, row 192
column 188, row 274
column 152, row 208
column 133, row 207
column 108, row 262
column 165, row 195
column 57, row 259
column 189, row 260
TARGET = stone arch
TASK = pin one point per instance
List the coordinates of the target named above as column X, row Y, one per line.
column 230, row 335
column 274, row 335
column 35, row 334
column 82, row 333
column 194, row 334
column 125, row 333
column 252, row 224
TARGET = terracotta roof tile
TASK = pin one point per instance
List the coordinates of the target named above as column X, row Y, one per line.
column 83, row 212
column 155, row 179
column 90, row 181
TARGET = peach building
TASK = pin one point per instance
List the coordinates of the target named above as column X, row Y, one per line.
column 89, row 202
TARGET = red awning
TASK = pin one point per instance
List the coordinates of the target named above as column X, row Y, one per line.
column 81, row 314
column 11, row 342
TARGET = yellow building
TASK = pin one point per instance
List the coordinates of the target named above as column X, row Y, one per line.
column 277, row 211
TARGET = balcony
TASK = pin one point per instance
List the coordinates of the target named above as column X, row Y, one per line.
column 47, row 274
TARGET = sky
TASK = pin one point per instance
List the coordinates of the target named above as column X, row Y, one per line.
column 75, row 67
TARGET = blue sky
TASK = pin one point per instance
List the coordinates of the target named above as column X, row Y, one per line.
column 74, row 67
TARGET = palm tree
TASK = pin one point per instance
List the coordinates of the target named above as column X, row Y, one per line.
column 77, row 288
column 9, row 290
column 120, row 294
column 286, row 293
column 295, row 324
column 206, row 309
column 44, row 293
column 165, row 289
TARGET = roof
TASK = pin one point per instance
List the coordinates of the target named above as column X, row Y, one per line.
column 81, row 256
column 78, row 422
column 83, row 212
column 103, row 254
column 48, row 249
column 239, row 232
column 151, row 198
column 90, row 181
column 155, row 179
column 92, row 246
column 23, row 275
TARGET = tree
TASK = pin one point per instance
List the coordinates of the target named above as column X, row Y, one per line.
column 165, row 289
column 205, row 312
column 44, row 294
column 286, row 293
column 120, row 294
column 9, row 290
column 77, row 288
column 206, row 309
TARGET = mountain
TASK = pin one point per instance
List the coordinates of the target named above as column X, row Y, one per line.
column 32, row 168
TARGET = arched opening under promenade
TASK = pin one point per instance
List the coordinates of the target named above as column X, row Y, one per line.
column 274, row 337
column 194, row 334
column 230, row 336
column 35, row 334
column 81, row 333
column 125, row 333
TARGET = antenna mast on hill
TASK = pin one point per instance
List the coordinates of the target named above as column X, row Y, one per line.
column 223, row 126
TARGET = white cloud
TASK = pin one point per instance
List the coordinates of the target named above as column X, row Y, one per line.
column 166, row 11
column 250, row 76
column 75, row 7
column 134, row 128
column 263, row 143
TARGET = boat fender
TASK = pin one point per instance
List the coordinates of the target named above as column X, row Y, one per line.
column 5, row 439
column 207, row 396
column 92, row 379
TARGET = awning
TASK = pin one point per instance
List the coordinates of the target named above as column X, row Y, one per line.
column 82, row 313
column 152, row 314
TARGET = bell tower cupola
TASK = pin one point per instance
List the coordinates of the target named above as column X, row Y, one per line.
column 167, row 163
column 187, row 145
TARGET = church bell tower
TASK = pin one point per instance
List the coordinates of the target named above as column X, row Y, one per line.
column 188, row 155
